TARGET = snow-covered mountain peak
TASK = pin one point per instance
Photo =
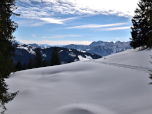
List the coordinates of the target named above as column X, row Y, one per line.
column 102, row 48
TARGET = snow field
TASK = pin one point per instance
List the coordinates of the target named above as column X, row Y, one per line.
column 85, row 87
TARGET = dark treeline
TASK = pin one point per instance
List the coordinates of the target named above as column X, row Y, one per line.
column 37, row 61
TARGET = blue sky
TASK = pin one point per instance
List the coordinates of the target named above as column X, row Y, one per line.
column 62, row 22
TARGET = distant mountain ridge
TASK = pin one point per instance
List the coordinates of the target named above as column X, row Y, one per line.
column 25, row 52
column 102, row 48
column 44, row 45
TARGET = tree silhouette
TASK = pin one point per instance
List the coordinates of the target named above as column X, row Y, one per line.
column 149, row 14
column 55, row 60
column 30, row 64
column 19, row 66
column 38, row 58
column 24, row 66
column 141, row 25
column 7, row 27
column 44, row 63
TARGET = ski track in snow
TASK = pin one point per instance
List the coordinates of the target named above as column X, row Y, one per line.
column 139, row 68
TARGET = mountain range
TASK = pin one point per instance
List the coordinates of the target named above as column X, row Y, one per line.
column 71, row 52
column 102, row 48
column 24, row 52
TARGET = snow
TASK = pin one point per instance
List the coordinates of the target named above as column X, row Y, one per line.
column 88, row 57
column 31, row 51
column 72, row 54
column 60, row 51
column 83, row 51
column 26, row 48
column 76, row 60
column 44, row 55
column 82, row 58
column 23, row 48
column 118, row 84
column 136, row 58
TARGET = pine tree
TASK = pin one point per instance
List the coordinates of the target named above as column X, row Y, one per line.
column 24, row 66
column 19, row 66
column 5, row 96
column 7, row 27
column 38, row 58
column 150, row 73
column 55, row 60
column 30, row 64
column 44, row 63
column 141, row 26
column 149, row 14
column 150, row 78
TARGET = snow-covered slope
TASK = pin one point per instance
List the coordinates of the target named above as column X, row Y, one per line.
column 116, row 84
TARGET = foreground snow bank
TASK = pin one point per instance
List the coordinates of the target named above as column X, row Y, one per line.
column 85, row 87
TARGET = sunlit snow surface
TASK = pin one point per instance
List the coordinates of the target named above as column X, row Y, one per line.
column 116, row 84
column 83, row 59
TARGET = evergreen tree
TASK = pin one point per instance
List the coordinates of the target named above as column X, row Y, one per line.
column 55, row 60
column 7, row 27
column 141, row 26
column 44, row 63
column 5, row 96
column 19, row 65
column 150, row 74
column 24, row 66
column 150, row 78
column 149, row 14
column 48, row 63
column 38, row 58
column 30, row 64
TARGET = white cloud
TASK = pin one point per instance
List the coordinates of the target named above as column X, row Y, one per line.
column 45, row 7
column 33, row 35
column 118, row 39
column 37, row 24
column 27, row 22
column 61, row 36
column 60, row 42
column 41, row 21
column 57, row 21
column 116, row 28
column 52, row 20
column 95, row 26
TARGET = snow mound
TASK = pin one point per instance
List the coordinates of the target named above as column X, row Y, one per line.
column 83, row 109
